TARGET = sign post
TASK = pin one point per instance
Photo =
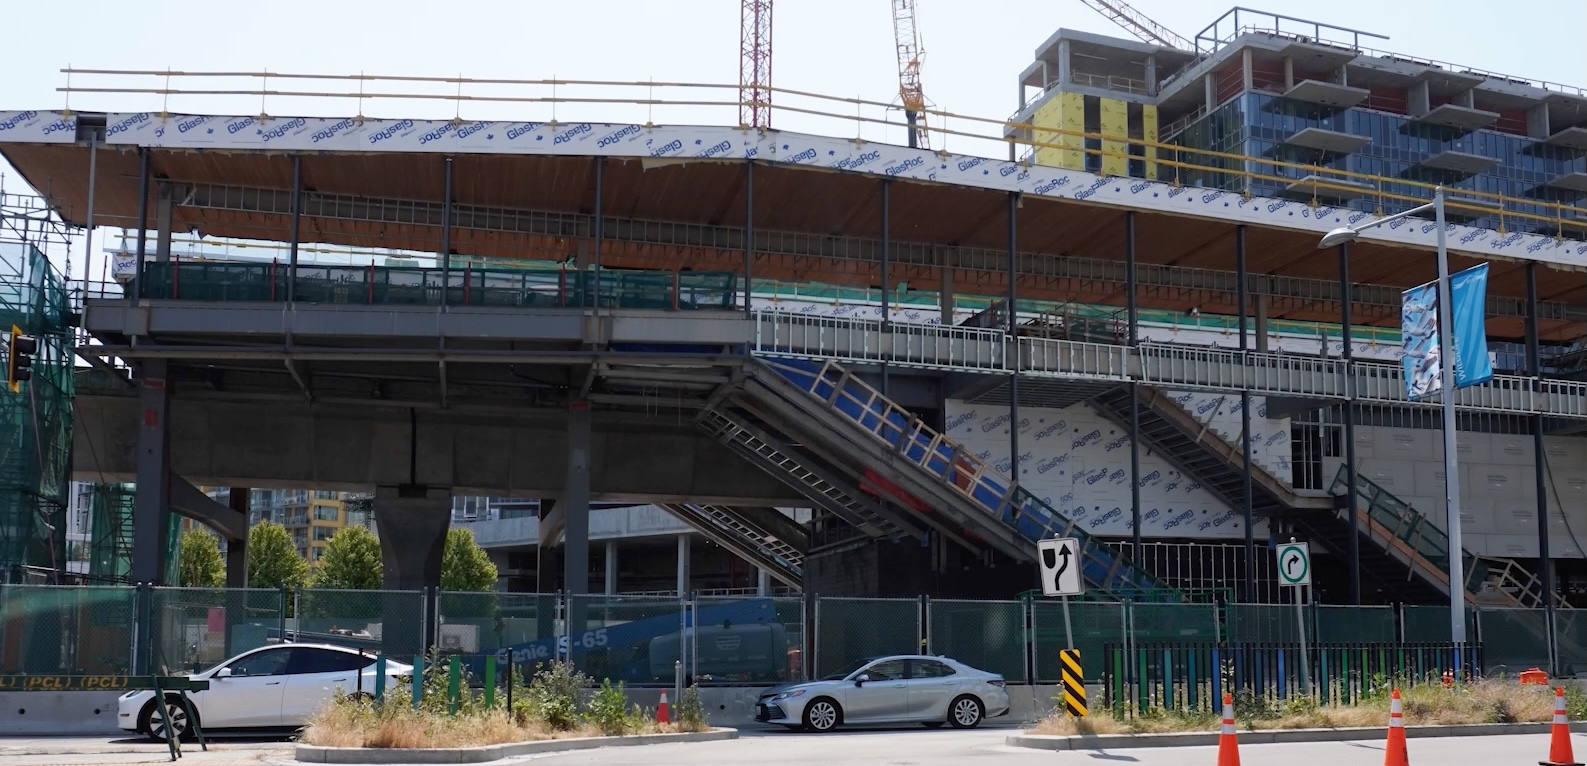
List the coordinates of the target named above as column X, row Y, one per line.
column 1059, row 559
column 1294, row 571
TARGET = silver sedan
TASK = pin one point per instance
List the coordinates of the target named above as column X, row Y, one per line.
column 897, row 689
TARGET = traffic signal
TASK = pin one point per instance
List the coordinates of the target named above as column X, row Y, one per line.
column 19, row 358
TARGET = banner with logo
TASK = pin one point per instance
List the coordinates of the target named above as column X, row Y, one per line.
column 1419, row 330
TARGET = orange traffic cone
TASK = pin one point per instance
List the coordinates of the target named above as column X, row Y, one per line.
column 661, row 710
column 1228, row 746
column 1559, row 753
column 1394, row 753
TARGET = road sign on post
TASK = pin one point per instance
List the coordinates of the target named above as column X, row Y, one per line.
column 1294, row 564
column 1060, row 567
column 1059, row 560
column 1294, row 571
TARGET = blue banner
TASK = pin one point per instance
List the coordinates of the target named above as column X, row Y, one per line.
column 1419, row 328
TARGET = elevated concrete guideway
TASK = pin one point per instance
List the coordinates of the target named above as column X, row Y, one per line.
column 218, row 441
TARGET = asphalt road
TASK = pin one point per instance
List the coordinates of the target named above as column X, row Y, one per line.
column 889, row 747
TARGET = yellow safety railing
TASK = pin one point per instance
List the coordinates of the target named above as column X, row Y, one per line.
column 821, row 107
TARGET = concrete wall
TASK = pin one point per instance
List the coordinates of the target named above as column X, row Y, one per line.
column 1079, row 462
column 735, row 705
column 1498, row 485
column 57, row 713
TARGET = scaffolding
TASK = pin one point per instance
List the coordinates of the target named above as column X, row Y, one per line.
column 35, row 424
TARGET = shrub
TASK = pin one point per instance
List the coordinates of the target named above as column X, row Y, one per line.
column 691, row 712
column 554, row 696
column 609, row 709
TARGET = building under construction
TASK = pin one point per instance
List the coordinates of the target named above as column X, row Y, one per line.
column 1125, row 333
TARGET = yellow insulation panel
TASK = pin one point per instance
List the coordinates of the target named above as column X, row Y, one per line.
column 1115, row 125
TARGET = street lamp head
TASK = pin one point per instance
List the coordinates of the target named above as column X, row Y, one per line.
column 1338, row 236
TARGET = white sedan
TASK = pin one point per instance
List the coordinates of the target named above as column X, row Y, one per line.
column 274, row 687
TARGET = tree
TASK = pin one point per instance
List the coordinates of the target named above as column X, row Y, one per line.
column 199, row 564
column 273, row 561
column 464, row 565
column 351, row 560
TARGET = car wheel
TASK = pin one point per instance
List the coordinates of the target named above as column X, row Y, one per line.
column 822, row 714
column 154, row 721
column 965, row 713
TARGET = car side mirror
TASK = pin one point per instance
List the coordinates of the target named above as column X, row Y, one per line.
column 861, row 679
column 223, row 673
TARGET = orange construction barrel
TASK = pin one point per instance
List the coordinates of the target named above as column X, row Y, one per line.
column 1533, row 676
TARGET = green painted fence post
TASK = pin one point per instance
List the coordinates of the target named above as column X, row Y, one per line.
column 453, row 677
column 380, row 676
column 418, row 680
column 490, row 681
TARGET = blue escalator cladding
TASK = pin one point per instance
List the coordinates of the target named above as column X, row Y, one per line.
column 1027, row 515
column 669, row 348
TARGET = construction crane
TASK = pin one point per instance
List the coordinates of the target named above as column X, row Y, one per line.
column 907, row 36
column 754, row 63
column 1139, row 24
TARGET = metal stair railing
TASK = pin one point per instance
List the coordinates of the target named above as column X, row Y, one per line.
column 952, row 464
column 813, row 486
column 724, row 527
column 1427, row 547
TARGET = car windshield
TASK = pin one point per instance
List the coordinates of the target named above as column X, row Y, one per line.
column 848, row 670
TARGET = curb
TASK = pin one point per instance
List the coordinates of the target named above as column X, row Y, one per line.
column 1269, row 736
column 380, row 755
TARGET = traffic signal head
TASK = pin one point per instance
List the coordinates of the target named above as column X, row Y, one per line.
column 19, row 358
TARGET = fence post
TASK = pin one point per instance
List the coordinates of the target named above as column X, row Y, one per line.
column 923, row 624
column 288, row 605
column 815, row 637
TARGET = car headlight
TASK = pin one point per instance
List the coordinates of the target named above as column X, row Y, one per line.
column 786, row 695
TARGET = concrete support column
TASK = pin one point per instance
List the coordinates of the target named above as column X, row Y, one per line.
column 610, row 584
column 1247, row 77
column 237, row 550
column 152, row 501
column 1466, row 98
column 1209, row 87
column 1064, row 69
column 1151, row 75
column 762, row 583
column 1537, row 125
column 1289, row 72
column 1419, row 99
column 683, row 565
column 413, row 521
column 575, row 503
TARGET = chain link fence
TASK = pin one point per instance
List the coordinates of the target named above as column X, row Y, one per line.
column 724, row 640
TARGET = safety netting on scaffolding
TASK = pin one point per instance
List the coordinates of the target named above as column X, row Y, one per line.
column 36, row 419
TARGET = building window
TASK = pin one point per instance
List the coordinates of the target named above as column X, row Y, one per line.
column 327, row 513
column 324, row 533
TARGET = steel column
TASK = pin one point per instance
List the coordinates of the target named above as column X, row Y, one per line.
column 1545, row 563
column 1347, row 411
column 1245, row 424
column 599, row 232
column 295, row 228
column 1446, row 352
column 886, row 293
column 152, row 499
column 749, row 233
column 88, row 223
column 575, row 502
column 1013, row 336
column 446, row 232
column 1130, row 280
column 143, row 221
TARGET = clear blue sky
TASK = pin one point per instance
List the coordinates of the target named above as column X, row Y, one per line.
column 841, row 47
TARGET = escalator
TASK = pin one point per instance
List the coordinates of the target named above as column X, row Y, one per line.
column 762, row 536
column 824, row 415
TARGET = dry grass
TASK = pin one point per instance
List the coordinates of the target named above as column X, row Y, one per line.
column 350, row 724
column 1488, row 701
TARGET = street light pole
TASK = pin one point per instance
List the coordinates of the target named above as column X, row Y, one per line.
column 1446, row 355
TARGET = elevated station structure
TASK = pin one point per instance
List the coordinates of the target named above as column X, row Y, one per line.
column 1184, row 374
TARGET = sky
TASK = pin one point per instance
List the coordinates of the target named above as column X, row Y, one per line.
column 975, row 51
